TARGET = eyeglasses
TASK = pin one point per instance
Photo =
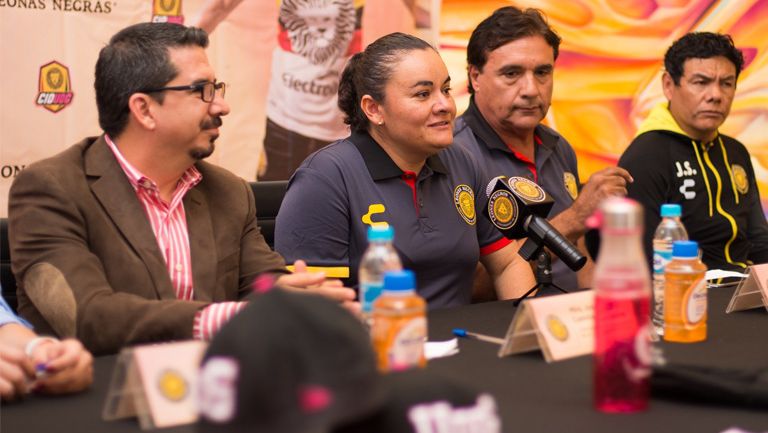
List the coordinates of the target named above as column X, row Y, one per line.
column 207, row 89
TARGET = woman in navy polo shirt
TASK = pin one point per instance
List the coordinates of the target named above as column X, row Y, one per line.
column 398, row 167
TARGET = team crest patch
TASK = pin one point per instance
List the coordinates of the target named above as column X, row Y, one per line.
column 167, row 11
column 570, row 184
column 54, row 87
column 740, row 178
column 557, row 328
column 464, row 199
column 527, row 189
column 172, row 385
column 502, row 209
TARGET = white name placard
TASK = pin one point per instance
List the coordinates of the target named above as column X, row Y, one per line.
column 560, row 326
column 752, row 292
column 156, row 383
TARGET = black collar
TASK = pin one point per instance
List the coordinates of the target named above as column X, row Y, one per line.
column 483, row 130
column 379, row 164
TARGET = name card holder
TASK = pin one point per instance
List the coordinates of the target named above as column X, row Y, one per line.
column 752, row 292
column 155, row 383
column 561, row 326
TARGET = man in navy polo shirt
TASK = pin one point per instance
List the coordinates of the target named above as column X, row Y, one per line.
column 511, row 57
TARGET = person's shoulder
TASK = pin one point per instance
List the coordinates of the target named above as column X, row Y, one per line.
column 68, row 162
column 733, row 143
column 649, row 144
column 332, row 162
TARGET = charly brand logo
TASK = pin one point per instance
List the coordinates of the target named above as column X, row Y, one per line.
column 54, row 87
column 167, row 11
column 373, row 209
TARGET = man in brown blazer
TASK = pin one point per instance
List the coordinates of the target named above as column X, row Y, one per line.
column 129, row 237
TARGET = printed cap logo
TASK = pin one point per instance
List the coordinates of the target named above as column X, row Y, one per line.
column 54, row 87
column 527, row 189
column 167, row 11
column 502, row 209
column 464, row 199
column 740, row 178
column 570, row 184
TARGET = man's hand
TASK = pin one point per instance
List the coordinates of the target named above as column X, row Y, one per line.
column 315, row 282
column 16, row 372
column 68, row 367
column 608, row 182
column 611, row 181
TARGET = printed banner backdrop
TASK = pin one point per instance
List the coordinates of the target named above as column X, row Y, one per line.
column 48, row 49
column 606, row 79
column 608, row 74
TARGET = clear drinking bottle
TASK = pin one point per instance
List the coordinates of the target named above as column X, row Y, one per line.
column 669, row 230
column 622, row 286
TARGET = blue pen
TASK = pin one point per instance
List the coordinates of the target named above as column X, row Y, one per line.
column 463, row 333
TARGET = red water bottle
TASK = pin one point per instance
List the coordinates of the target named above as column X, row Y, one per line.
column 622, row 311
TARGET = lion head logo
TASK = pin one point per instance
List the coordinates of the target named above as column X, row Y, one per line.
column 319, row 30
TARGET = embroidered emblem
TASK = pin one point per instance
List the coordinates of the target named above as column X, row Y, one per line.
column 464, row 199
column 527, row 189
column 740, row 177
column 374, row 209
column 172, row 385
column 570, row 184
column 502, row 210
column 557, row 328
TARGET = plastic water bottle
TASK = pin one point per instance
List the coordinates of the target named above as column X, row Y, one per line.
column 685, row 310
column 670, row 229
column 399, row 323
column 622, row 285
column 379, row 257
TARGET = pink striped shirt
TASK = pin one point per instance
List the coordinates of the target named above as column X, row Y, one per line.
column 169, row 224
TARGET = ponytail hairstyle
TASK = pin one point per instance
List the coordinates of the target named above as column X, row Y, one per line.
column 368, row 72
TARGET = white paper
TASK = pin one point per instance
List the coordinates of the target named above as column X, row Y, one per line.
column 715, row 274
column 441, row 349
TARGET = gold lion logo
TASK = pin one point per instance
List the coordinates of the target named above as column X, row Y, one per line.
column 172, row 385
column 569, row 180
column 464, row 199
column 740, row 178
column 557, row 328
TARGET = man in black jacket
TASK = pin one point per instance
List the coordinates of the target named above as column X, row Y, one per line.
column 679, row 156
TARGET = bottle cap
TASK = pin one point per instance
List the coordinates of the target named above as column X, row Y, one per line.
column 620, row 213
column 671, row 210
column 685, row 249
column 399, row 280
column 378, row 233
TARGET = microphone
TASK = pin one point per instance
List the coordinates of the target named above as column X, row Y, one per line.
column 518, row 208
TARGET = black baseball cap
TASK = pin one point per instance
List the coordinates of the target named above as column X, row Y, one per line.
column 294, row 362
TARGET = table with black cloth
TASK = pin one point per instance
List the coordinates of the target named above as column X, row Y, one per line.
column 533, row 396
